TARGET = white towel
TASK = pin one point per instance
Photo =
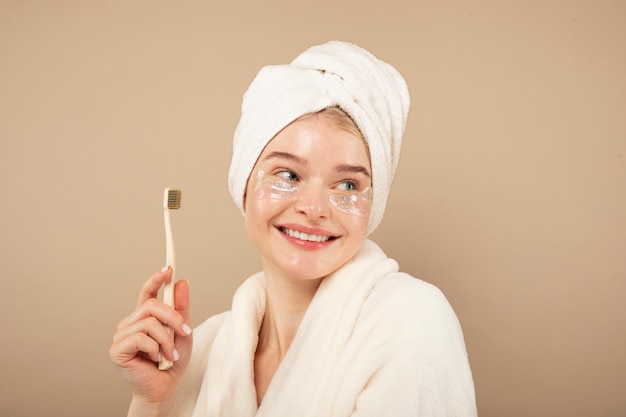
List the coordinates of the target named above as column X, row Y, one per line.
column 373, row 342
column 336, row 73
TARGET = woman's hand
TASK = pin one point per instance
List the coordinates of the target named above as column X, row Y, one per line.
column 141, row 338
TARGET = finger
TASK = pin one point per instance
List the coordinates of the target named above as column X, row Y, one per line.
column 153, row 329
column 127, row 349
column 150, row 326
column 150, row 288
column 159, row 311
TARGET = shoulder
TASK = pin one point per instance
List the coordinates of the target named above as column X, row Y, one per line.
column 417, row 309
column 400, row 290
column 409, row 294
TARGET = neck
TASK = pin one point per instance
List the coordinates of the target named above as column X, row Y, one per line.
column 287, row 301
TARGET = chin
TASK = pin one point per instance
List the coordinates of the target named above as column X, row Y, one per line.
column 307, row 271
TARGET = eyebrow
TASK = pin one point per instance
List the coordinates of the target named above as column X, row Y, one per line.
column 354, row 168
column 286, row 155
column 358, row 169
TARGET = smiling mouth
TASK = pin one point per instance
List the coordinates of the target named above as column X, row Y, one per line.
column 309, row 237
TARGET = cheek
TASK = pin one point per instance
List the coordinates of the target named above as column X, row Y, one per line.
column 260, row 212
column 361, row 226
column 253, row 221
column 356, row 226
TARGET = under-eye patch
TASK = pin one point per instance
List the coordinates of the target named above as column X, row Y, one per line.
column 354, row 202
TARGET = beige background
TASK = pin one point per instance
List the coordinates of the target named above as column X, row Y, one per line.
column 511, row 192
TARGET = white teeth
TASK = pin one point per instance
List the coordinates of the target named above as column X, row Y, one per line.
column 305, row 236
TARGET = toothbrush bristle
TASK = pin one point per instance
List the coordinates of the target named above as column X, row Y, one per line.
column 173, row 198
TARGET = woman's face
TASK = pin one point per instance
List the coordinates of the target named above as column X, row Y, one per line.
column 308, row 199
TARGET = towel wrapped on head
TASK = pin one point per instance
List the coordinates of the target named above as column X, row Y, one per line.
column 370, row 91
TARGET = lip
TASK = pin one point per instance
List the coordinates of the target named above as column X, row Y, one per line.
column 307, row 244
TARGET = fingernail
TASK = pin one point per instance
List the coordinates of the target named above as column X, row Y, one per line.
column 165, row 268
column 186, row 329
column 175, row 355
column 159, row 357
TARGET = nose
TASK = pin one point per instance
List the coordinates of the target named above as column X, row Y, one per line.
column 312, row 201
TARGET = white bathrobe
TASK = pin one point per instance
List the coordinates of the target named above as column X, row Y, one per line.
column 373, row 342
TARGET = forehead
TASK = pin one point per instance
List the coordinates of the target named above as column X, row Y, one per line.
column 315, row 137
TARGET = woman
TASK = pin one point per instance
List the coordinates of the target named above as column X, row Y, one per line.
column 329, row 327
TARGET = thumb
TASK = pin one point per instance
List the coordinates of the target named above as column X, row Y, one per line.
column 183, row 344
column 181, row 300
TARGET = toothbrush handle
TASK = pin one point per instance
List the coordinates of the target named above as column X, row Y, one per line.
column 168, row 289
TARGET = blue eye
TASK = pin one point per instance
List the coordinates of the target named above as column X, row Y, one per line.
column 348, row 186
column 287, row 175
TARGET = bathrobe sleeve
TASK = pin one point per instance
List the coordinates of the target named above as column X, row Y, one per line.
column 187, row 394
column 420, row 367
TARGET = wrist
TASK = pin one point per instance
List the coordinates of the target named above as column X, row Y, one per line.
column 141, row 408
